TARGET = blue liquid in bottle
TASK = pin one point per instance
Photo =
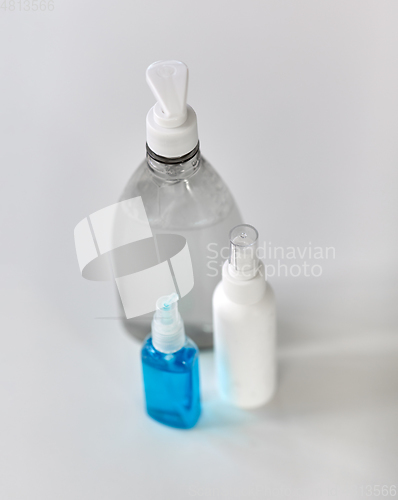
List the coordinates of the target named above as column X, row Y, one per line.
column 170, row 363
column 171, row 384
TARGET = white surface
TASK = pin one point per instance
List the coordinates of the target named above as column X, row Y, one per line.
column 315, row 162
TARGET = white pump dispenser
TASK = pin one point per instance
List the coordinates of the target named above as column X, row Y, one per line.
column 168, row 334
column 172, row 129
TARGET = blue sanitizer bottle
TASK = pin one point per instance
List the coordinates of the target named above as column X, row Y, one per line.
column 170, row 363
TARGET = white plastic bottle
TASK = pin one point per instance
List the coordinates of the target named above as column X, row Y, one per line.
column 244, row 325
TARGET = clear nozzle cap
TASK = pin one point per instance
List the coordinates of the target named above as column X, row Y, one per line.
column 167, row 310
column 243, row 261
column 168, row 333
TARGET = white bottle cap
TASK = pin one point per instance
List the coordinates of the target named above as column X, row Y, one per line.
column 171, row 126
column 168, row 334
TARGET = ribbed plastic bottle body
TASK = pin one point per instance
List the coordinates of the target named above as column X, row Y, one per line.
column 191, row 200
column 244, row 341
column 171, row 383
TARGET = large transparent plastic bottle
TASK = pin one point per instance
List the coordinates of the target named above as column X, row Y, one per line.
column 183, row 194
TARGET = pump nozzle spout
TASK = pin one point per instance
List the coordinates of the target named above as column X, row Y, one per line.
column 167, row 309
column 168, row 333
column 168, row 81
column 171, row 125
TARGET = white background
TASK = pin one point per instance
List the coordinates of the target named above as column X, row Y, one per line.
column 297, row 110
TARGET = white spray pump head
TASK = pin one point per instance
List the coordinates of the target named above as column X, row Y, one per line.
column 168, row 334
column 243, row 260
column 171, row 124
